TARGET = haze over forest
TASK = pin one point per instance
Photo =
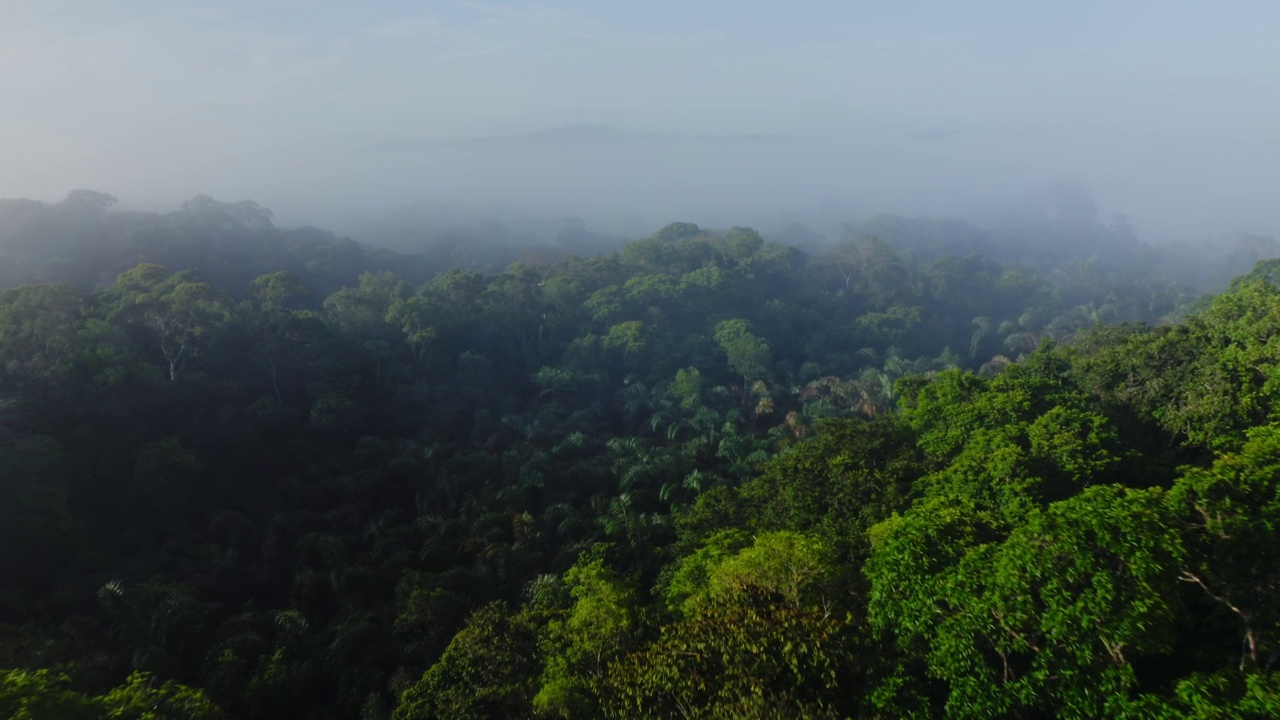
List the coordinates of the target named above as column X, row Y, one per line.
column 335, row 114
column 697, row 360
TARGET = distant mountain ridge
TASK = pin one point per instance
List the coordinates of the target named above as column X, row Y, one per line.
column 587, row 133
column 592, row 135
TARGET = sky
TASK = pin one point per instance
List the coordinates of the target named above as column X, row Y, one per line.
column 1167, row 111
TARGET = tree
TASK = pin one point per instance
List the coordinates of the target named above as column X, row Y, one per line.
column 39, row 335
column 489, row 670
column 598, row 628
column 1230, row 513
column 741, row 243
column 212, row 214
column 784, row 563
column 178, row 311
column 276, row 290
column 41, row 695
column 677, row 231
column 1051, row 619
column 415, row 317
column 362, row 310
column 748, row 355
column 748, row 653
column 144, row 698
column 278, row 332
column 870, row 270
column 850, row 475
column 88, row 202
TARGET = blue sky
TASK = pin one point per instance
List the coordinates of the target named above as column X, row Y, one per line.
column 149, row 97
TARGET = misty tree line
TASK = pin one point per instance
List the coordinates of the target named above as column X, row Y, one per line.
column 269, row 473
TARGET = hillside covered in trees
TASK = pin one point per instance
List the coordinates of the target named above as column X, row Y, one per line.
column 920, row 469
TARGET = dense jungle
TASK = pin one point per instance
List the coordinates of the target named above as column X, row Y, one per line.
column 899, row 468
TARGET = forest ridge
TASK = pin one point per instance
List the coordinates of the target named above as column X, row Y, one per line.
column 921, row 469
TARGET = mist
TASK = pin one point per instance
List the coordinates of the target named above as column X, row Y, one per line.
column 629, row 118
column 402, row 360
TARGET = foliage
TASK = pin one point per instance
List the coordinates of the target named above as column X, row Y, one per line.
column 487, row 671
column 920, row 471
column 42, row 695
column 744, row 654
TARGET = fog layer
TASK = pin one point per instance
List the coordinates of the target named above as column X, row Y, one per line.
column 630, row 117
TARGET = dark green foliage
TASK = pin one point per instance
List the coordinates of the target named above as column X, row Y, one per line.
column 849, row 476
column 34, row 695
column 745, row 654
column 703, row 476
column 41, row 695
column 487, row 671
column 1231, row 512
column 1051, row 619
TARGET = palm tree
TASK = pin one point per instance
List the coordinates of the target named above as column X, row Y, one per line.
column 984, row 326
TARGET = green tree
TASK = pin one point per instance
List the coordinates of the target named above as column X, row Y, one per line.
column 744, row 654
column 1048, row 620
column 276, row 290
column 489, row 670
column 362, row 310
column 177, row 311
column 784, row 563
column 43, row 695
column 415, row 317
column 1230, row 513
column 599, row 627
column 749, row 355
column 39, row 336
column 741, row 243
column 848, row 476
column 142, row 697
